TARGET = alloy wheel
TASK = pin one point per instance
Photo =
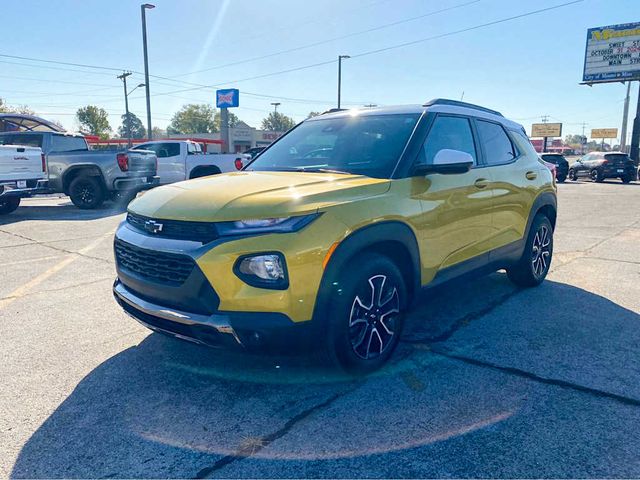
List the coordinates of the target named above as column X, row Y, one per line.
column 373, row 318
column 541, row 254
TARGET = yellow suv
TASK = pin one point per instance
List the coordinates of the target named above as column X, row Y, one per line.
column 324, row 239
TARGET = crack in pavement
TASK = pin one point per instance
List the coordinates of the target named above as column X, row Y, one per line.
column 58, row 249
column 263, row 442
column 538, row 378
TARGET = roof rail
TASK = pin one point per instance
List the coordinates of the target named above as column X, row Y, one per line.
column 456, row 103
column 333, row 110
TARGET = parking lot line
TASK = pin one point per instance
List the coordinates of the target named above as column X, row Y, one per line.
column 26, row 287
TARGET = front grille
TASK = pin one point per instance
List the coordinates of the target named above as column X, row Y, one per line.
column 203, row 232
column 161, row 267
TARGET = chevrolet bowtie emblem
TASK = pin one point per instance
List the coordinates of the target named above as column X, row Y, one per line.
column 152, row 226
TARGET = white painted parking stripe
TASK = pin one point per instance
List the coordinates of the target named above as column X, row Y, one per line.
column 25, row 288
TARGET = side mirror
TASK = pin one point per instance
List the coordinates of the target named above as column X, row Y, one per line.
column 446, row 161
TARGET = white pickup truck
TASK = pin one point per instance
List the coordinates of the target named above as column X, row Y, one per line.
column 183, row 159
column 23, row 172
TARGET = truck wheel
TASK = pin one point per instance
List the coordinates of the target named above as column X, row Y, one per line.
column 9, row 204
column 86, row 192
column 533, row 266
column 204, row 172
column 365, row 318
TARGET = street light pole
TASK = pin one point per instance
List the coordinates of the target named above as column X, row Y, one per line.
column 123, row 77
column 625, row 115
column 340, row 57
column 143, row 9
column 275, row 106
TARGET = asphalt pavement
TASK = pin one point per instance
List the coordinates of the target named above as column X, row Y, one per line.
column 489, row 380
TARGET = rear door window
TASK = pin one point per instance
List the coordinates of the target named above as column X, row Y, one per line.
column 28, row 140
column 498, row 149
column 68, row 143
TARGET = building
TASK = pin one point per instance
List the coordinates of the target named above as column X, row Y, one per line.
column 242, row 137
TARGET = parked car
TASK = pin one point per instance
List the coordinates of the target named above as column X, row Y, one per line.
column 253, row 152
column 89, row 177
column 22, row 174
column 330, row 253
column 561, row 163
column 183, row 159
column 598, row 166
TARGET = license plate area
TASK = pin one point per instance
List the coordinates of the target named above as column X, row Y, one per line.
column 21, row 184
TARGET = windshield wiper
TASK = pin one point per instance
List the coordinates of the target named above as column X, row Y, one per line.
column 324, row 170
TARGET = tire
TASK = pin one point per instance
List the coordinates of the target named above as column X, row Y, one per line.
column 533, row 266
column 596, row 176
column 86, row 192
column 572, row 175
column 9, row 204
column 561, row 178
column 204, row 172
column 626, row 179
column 364, row 318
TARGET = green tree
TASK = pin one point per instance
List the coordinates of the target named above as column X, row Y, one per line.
column 313, row 114
column 233, row 119
column 94, row 120
column 158, row 132
column 137, row 128
column 193, row 118
column 24, row 109
column 574, row 139
column 278, row 122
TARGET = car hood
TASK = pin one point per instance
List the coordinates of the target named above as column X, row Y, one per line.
column 242, row 195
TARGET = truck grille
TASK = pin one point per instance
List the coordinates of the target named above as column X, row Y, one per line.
column 203, row 232
column 161, row 267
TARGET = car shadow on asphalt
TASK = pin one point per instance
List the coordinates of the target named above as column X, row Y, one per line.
column 160, row 407
column 66, row 211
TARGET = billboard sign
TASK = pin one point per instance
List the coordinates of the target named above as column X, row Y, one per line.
column 227, row 98
column 604, row 133
column 612, row 53
column 546, row 130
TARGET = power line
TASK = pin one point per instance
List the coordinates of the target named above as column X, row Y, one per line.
column 329, row 40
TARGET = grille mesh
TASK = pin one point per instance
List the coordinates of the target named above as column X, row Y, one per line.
column 161, row 267
column 203, row 232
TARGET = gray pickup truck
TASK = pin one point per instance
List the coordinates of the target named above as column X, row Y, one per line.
column 89, row 177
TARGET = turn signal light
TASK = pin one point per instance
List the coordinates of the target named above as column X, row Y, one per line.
column 239, row 164
column 123, row 161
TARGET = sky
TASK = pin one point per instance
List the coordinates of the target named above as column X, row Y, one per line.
column 525, row 67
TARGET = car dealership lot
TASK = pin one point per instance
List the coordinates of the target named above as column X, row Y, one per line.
column 489, row 381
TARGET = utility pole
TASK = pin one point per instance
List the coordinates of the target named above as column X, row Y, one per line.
column 583, row 141
column 123, row 77
column 545, row 119
column 275, row 106
column 340, row 57
column 143, row 9
column 635, row 136
column 625, row 114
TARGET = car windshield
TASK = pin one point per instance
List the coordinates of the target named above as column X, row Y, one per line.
column 364, row 145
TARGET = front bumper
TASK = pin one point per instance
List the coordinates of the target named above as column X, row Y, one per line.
column 130, row 184
column 10, row 189
column 248, row 330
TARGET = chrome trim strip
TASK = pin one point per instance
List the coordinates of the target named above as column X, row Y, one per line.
column 218, row 322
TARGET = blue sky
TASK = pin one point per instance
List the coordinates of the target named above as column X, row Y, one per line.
column 525, row 68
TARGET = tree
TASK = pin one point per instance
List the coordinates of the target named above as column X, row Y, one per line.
column 233, row 119
column 24, row 109
column 133, row 122
column 158, row 132
column 277, row 122
column 574, row 139
column 94, row 120
column 193, row 118
column 313, row 114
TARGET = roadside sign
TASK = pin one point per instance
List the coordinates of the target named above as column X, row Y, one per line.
column 227, row 98
column 546, row 130
column 612, row 53
column 604, row 133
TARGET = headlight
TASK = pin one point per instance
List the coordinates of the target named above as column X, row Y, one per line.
column 266, row 225
column 264, row 270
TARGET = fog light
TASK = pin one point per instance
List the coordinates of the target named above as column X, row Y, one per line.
column 266, row 270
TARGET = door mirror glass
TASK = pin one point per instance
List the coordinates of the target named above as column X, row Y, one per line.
column 447, row 161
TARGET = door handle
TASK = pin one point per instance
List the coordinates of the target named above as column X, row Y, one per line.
column 481, row 183
column 531, row 175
